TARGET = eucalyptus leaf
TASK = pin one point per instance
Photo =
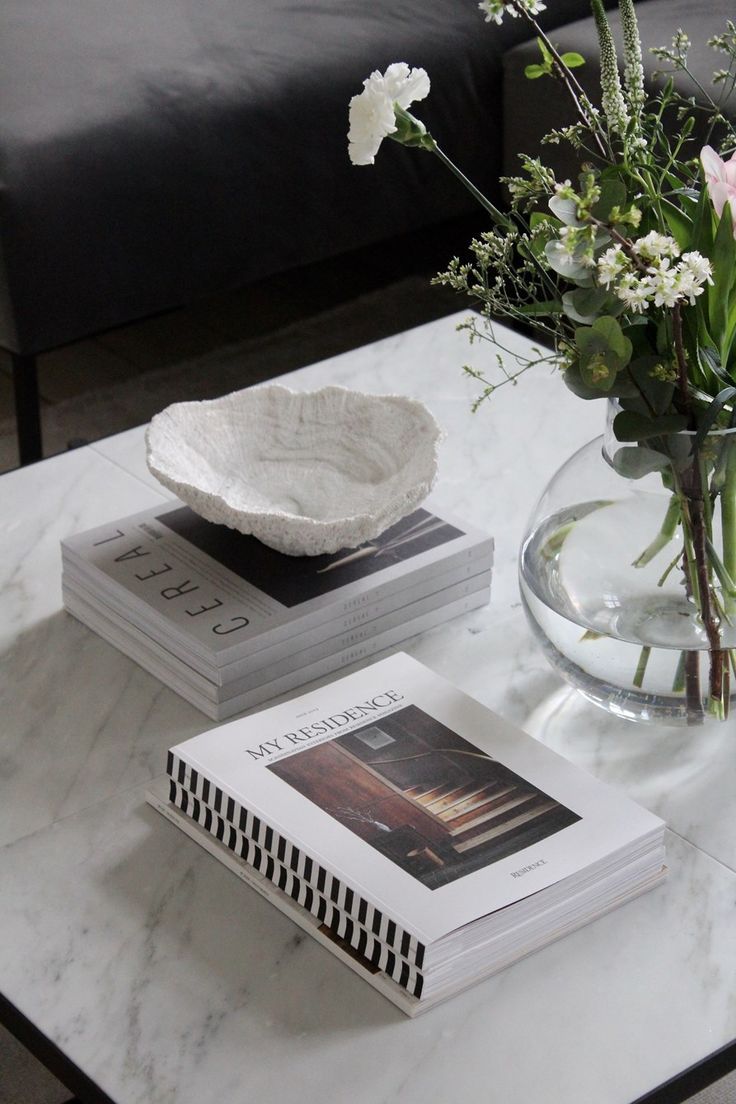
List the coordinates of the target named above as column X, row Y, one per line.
column 566, row 210
column 570, row 307
column 585, row 304
column 636, row 461
column 575, row 382
column 598, row 372
column 560, row 261
column 608, row 334
column 603, row 351
column 630, row 426
column 658, row 393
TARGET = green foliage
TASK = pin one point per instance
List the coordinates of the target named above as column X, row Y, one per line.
column 612, row 194
column 547, row 66
column 613, row 330
column 603, row 350
column 721, row 300
column 630, row 426
column 637, row 461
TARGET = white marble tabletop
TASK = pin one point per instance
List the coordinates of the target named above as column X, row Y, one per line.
column 165, row 979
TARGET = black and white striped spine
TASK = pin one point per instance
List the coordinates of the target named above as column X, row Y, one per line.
column 298, row 861
column 367, row 945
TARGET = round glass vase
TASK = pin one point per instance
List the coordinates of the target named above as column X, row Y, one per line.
column 627, row 575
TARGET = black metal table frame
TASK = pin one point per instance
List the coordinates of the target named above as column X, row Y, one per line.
column 676, row 1091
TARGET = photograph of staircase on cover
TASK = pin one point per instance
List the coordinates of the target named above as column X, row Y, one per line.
column 430, row 801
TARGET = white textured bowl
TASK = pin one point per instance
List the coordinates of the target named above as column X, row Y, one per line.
column 304, row 472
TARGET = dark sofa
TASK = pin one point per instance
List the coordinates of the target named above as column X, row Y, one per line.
column 154, row 152
column 528, row 117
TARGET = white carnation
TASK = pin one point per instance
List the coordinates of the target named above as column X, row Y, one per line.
column 372, row 111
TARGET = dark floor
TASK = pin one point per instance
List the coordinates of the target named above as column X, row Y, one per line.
column 114, row 380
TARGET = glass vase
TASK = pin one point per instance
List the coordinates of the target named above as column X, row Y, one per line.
column 627, row 575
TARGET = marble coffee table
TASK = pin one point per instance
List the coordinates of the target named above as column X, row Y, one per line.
column 145, row 973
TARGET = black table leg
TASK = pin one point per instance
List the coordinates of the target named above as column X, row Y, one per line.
column 27, row 408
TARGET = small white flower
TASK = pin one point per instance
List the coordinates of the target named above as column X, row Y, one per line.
column 688, row 287
column 634, row 293
column 495, row 10
column 655, row 245
column 693, row 272
column 611, row 264
column 372, row 111
column 663, row 282
column 698, row 266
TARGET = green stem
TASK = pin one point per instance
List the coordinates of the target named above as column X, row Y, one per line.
column 570, row 81
column 497, row 216
column 665, row 534
column 724, row 576
column 641, row 666
column 678, row 682
column 728, row 521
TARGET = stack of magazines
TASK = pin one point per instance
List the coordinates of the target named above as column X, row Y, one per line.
column 422, row 839
column 229, row 623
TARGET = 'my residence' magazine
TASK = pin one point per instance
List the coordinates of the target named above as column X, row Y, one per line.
column 424, row 840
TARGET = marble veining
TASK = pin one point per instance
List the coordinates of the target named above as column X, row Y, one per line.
column 79, row 721
column 170, row 982
column 167, row 980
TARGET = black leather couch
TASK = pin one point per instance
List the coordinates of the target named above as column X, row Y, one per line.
column 153, row 152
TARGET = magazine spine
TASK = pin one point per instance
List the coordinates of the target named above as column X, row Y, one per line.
column 261, row 657
column 356, row 598
column 255, row 828
column 78, row 605
column 367, row 648
column 230, row 707
column 282, row 872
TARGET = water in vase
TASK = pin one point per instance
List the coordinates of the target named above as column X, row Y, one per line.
column 620, row 633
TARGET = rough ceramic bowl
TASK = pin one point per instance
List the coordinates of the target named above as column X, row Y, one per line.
column 304, row 472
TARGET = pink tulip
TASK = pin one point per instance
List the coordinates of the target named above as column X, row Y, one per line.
column 720, row 176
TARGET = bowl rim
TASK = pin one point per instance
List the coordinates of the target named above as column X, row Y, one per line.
column 415, row 493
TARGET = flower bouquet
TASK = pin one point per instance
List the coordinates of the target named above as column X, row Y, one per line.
column 627, row 274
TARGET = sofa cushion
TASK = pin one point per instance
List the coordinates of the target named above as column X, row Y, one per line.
column 531, row 111
column 152, row 151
